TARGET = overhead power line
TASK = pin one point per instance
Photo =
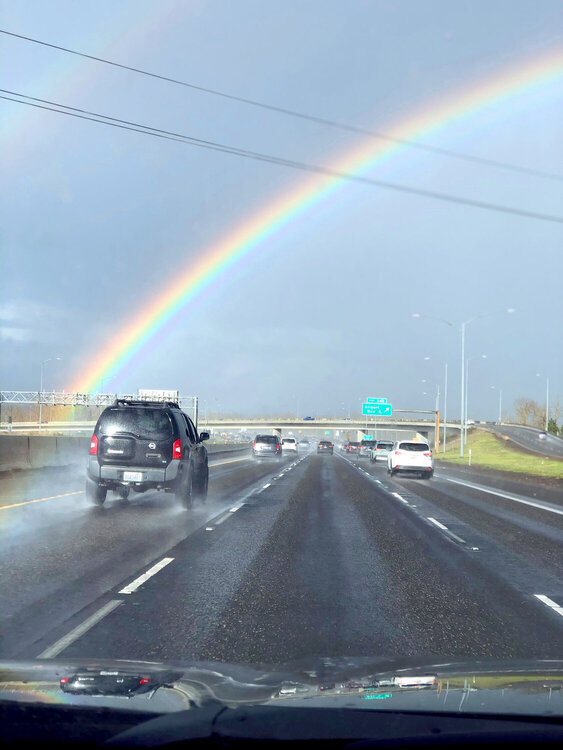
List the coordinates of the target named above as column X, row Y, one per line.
column 100, row 119
column 301, row 115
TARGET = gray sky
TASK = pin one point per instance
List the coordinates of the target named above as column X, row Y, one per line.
column 95, row 220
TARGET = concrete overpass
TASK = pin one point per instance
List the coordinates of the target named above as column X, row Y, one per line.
column 332, row 427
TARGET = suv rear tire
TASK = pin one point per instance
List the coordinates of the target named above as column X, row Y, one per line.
column 95, row 494
column 202, row 486
column 184, row 490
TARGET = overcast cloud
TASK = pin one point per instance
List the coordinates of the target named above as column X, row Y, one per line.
column 96, row 220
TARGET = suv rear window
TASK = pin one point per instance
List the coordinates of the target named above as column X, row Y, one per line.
column 325, row 442
column 420, row 447
column 141, row 422
column 386, row 446
column 266, row 439
column 288, row 440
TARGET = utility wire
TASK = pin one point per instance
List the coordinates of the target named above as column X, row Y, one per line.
column 301, row 115
column 214, row 146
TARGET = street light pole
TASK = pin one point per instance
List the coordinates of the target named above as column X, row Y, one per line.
column 462, row 421
column 500, row 405
column 546, row 403
column 445, row 405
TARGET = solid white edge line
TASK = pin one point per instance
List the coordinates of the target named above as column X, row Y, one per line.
column 134, row 585
column 550, row 603
column 55, row 649
column 438, row 524
column 490, row 491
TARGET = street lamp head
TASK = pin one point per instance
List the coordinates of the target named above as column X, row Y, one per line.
column 511, row 310
column 415, row 315
column 483, row 356
column 427, row 358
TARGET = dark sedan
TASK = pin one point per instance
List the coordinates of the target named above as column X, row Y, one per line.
column 325, row 446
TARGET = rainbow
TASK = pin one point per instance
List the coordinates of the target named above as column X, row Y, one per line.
column 214, row 261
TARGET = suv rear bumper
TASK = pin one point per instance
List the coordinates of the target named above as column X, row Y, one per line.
column 113, row 472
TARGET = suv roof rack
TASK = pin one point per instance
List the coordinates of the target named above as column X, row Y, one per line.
column 131, row 402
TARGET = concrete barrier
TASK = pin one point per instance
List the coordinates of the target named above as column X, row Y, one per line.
column 40, row 451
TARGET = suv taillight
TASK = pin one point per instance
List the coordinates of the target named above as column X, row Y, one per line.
column 278, row 447
column 398, row 453
column 177, row 449
column 254, row 445
column 428, row 454
column 94, row 445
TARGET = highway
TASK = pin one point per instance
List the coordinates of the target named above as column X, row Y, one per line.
column 527, row 437
column 306, row 557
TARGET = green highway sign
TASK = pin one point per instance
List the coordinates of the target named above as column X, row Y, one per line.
column 376, row 400
column 377, row 410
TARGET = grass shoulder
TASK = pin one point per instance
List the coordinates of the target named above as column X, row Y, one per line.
column 492, row 452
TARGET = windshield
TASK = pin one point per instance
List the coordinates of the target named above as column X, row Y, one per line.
column 210, row 453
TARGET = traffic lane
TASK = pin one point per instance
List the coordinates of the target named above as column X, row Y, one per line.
column 208, row 565
column 325, row 563
column 531, row 573
column 533, row 530
column 533, row 534
column 58, row 556
column 527, row 437
column 354, row 573
column 548, row 489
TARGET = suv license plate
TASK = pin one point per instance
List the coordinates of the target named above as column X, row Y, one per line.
column 133, row 476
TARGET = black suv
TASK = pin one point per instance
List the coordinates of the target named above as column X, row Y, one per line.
column 147, row 445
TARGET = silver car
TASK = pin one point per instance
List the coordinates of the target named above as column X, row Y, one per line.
column 380, row 450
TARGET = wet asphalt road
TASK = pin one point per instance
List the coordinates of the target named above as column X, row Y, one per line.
column 312, row 556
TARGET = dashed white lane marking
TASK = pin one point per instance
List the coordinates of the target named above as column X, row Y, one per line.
column 209, row 528
column 550, row 603
column 400, row 497
column 438, row 524
column 481, row 488
column 134, row 585
column 234, row 510
column 56, row 648
column 265, row 487
column 41, row 499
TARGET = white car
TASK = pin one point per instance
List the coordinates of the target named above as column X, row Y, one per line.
column 412, row 456
column 289, row 445
column 380, row 450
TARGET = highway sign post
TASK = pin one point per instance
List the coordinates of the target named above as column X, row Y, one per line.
column 377, row 410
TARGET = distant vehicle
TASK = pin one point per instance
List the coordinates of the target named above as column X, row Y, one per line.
column 325, row 446
column 364, row 448
column 309, row 419
column 289, row 445
column 303, row 444
column 266, row 446
column 469, row 422
column 542, row 436
column 411, row 456
column 146, row 445
column 380, row 450
column 352, row 446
